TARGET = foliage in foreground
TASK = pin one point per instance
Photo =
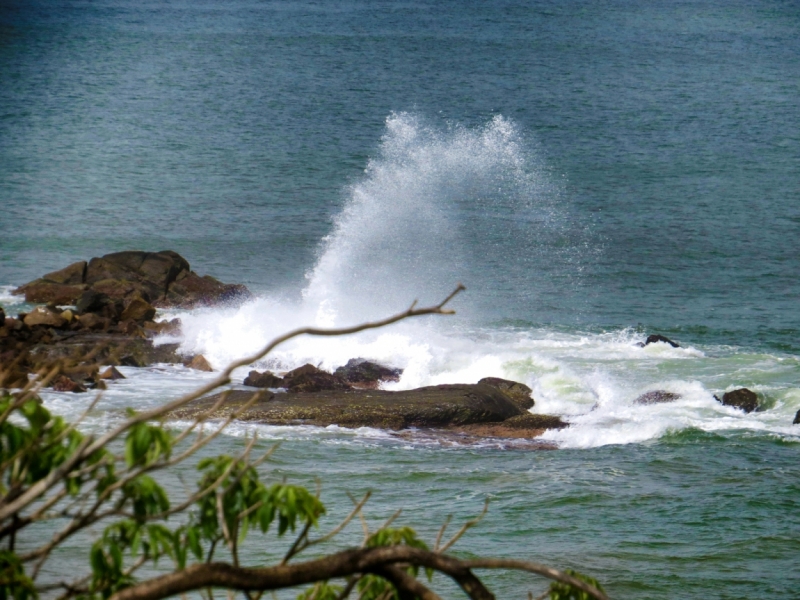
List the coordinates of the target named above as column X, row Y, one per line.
column 57, row 480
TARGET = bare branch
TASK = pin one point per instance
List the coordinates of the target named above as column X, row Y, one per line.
column 464, row 528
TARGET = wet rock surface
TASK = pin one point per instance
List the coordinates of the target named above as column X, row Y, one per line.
column 657, row 397
column 365, row 374
column 518, row 392
column 430, row 407
column 741, row 398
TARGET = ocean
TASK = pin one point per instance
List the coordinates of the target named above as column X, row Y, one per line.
column 592, row 173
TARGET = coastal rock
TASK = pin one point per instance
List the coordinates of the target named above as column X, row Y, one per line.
column 263, row 380
column 44, row 315
column 741, row 398
column 91, row 301
column 518, row 392
column 111, row 373
column 434, row 406
column 94, row 322
column 2, row 317
column 198, row 363
column 657, row 397
column 161, row 278
column 62, row 383
column 525, row 426
column 657, row 338
column 309, row 378
column 365, row 374
column 138, row 309
column 796, row 418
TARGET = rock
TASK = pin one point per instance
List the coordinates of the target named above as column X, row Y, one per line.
column 190, row 290
column 657, row 397
column 796, row 418
column 163, row 327
column 161, row 278
column 361, row 373
column 518, row 392
column 138, row 309
column 656, row 338
column 45, row 292
column 313, row 380
column 91, row 301
column 12, row 377
column 67, row 315
column 741, row 398
column 263, row 380
column 94, row 322
column 523, row 426
column 13, row 324
column 111, row 373
column 199, row 363
column 106, row 349
column 62, row 383
column 43, row 315
column 2, row 316
column 434, row 406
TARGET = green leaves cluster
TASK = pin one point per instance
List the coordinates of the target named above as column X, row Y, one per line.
column 565, row 591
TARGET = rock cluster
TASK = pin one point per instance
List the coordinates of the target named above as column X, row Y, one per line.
column 114, row 300
column 162, row 279
column 358, row 373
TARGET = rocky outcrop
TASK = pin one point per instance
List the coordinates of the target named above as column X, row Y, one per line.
column 741, row 398
column 657, row 397
column 365, row 374
column 519, row 393
column 796, row 418
column 268, row 379
column 198, row 363
column 309, row 378
column 162, row 279
column 434, row 406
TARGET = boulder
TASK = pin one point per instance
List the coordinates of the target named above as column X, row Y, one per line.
column 434, row 406
column 91, row 301
column 657, row 397
column 44, row 315
column 656, row 338
column 362, row 373
column 163, row 327
column 111, row 373
column 310, row 379
column 264, row 380
column 796, row 418
column 138, row 309
column 94, row 322
column 74, row 274
column 190, row 290
column 198, row 363
column 518, row 392
column 62, row 383
column 741, row 398
column 2, row 316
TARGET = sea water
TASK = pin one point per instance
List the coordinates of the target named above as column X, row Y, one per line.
column 591, row 173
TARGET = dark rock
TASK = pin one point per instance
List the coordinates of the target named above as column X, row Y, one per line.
column 263, row 380
column 138, row 309
column 314, row 381
column 361, row 373
column 305, row 369
column 190, row 290
column 524, row 426
column 741, row 398
column 62, row 383
column 163, row 327
column 656, row 338
column 94, row 322
column 796, row 418
column 198, row 363
column 43, row 315
column 13, row 324
column 518, row 392
column 657, row 397
column 91, row 301
column 112, row 374
column 2, row 316
column 434, row 406
column 105, row 348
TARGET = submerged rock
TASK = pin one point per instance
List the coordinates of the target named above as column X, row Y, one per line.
column 518, row 392
column 365, row 374
column 657, row 338
column 434, row 406
column 741, row 398
column 657, row 397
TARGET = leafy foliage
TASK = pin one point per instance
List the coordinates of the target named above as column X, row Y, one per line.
column 565, row 591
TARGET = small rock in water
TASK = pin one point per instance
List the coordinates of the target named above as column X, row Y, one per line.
column 263, row 380
column 198, row 363
column 111, row 373
column 309, row 378
column 796, row 419
column 518, row 392
column 742, row 398
column 362, row 373
column 657, row 397
column 656, row 338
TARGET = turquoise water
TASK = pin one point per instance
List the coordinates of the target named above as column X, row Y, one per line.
column 592, row 172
